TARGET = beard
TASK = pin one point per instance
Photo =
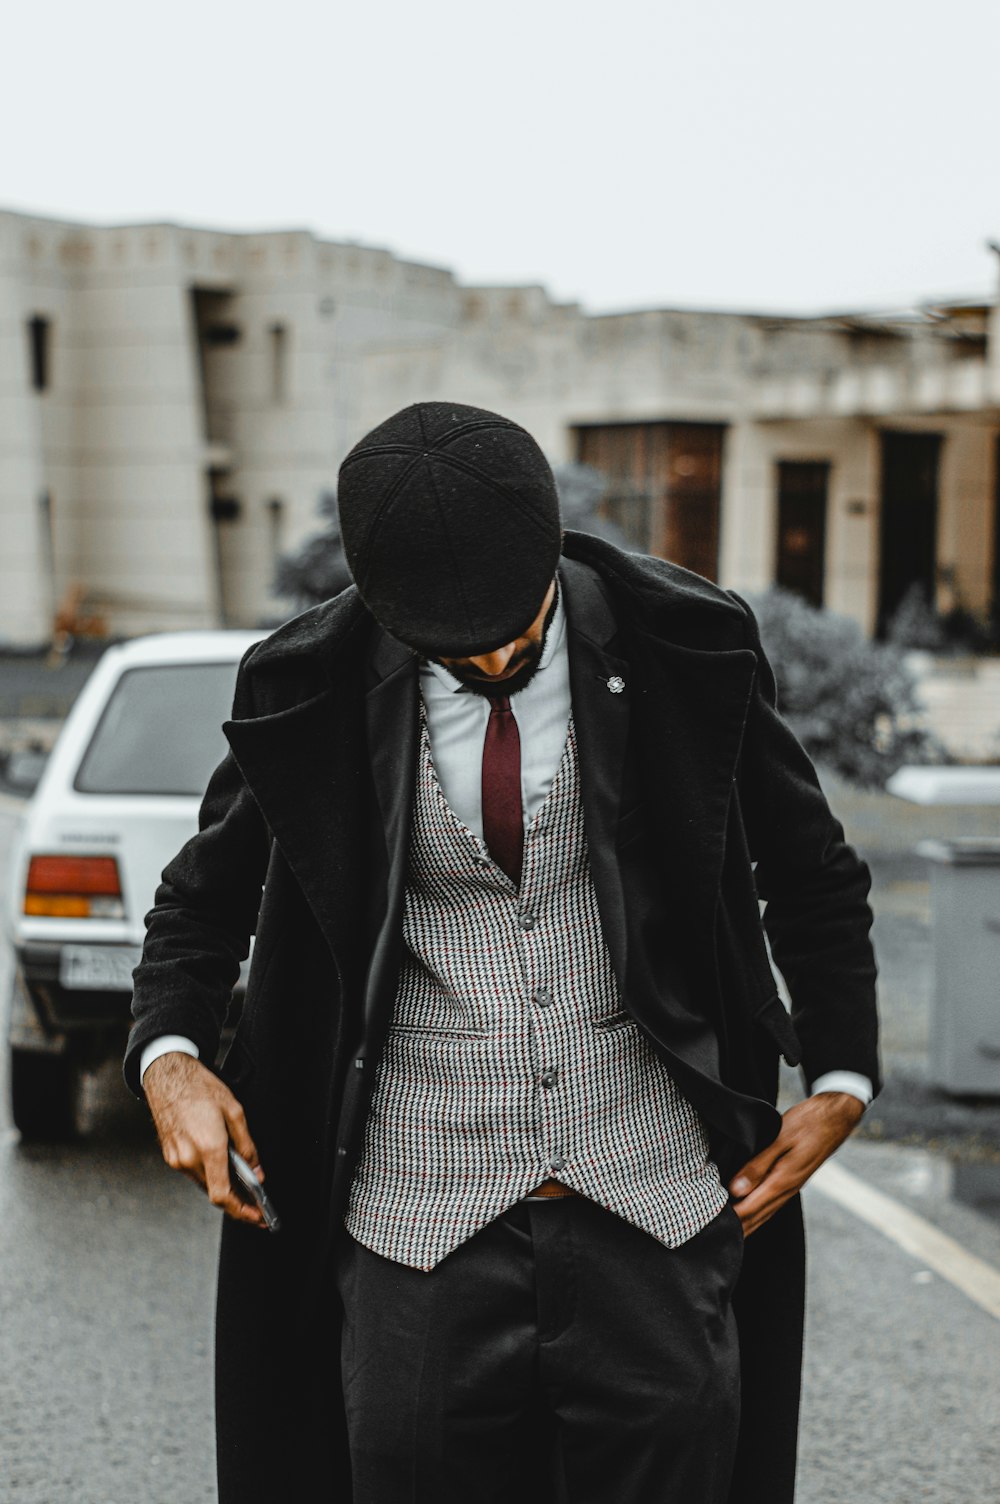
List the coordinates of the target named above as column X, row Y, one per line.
column 494, row 689
column 525, row 666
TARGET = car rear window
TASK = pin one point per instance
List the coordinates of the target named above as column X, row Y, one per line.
column 161, row 731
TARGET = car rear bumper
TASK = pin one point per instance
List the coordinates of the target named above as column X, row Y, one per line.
column 60, row 1009
column 47, row 1014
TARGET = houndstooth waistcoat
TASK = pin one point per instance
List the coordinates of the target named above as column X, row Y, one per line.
column 510, row 1058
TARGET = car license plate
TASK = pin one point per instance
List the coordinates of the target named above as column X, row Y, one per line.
column 94, row 968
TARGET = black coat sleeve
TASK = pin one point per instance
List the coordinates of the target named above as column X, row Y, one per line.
column 204, row 913
column 816, row 887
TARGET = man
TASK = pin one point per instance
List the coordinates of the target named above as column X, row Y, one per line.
column 499, row 817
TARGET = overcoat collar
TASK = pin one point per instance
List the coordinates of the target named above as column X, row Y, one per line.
column 310, row 764
column 304, row 755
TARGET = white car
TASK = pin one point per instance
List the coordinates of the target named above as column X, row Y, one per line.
column 117, row 799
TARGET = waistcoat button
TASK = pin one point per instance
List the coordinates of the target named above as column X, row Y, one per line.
column 526, row 921
column 549, row 1078
column 543, row 998
column 557, row 1162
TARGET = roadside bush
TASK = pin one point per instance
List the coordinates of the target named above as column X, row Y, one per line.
column 915, row 624
column 851, row 702
column 582, row 491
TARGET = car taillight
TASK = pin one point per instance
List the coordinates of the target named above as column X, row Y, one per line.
column 74, row 887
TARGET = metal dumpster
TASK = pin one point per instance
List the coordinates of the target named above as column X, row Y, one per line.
column 965, row 917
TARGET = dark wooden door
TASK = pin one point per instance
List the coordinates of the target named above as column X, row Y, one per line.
column 801, row 551
column 910, row 463
column 665, row 486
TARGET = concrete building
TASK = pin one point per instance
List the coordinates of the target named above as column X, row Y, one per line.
column 174, row 402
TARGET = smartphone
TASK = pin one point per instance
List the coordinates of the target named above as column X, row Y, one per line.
column 246, row 1185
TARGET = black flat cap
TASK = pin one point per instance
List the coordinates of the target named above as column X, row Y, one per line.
column 450, row 521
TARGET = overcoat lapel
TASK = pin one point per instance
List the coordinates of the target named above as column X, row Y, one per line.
column 392, row 734
column 391, row 730
column 309, row 768
column 599, row 682
column 306, row 768
column 686, row 711
column 692, row 709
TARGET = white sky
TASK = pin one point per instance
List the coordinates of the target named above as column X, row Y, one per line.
column 793, row 155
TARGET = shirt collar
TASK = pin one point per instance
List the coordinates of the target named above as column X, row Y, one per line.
column 554, row 643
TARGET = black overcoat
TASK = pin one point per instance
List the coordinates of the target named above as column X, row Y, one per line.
column 698, row 802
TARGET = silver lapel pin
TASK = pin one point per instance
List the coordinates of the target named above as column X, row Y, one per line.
column 616, row 684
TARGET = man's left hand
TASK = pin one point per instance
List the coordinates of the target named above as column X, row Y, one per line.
column 810, row 1132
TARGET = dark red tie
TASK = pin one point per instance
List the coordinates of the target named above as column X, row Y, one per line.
column 503, row 823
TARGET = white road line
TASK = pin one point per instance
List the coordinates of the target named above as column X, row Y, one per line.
column 973, row 1276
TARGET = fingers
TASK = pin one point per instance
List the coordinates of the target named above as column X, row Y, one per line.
column 786, row 1178
column 195, row 1129
column 239, row 1133
column 756, row 1169
column 760, row 1205
column 770, row 1179
column 810, row 1132
column 220, row 1188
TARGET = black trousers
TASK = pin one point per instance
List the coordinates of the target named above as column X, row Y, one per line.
column 559, row 1355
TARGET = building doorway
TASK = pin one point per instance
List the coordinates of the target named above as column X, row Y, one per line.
column 910, row 464
column 801, row 550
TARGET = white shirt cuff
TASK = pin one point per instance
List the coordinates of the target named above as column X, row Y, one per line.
column 165, row 1045
column 849, row 1081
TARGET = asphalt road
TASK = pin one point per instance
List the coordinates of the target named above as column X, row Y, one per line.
column 106, row 1293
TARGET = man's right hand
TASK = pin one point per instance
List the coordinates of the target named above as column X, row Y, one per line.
column 196, row 1117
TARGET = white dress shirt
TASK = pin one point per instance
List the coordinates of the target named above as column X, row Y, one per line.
column 456, row 725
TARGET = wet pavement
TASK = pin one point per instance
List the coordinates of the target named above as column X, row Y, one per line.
column 902, row 1370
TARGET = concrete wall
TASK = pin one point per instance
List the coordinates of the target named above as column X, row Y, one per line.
column 131, row 444
column 26, row 586
column 117, row 437
column 127, row 435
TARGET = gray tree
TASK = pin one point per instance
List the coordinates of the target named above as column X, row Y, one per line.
column 317, row 569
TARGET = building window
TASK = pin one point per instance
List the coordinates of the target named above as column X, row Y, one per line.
column 276, row 522
column 221, row 334
column 48, row 542
column 39, row 329
column 225, row 508
column 279, row 362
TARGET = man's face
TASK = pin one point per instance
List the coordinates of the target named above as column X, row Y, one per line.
column 508, row 669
